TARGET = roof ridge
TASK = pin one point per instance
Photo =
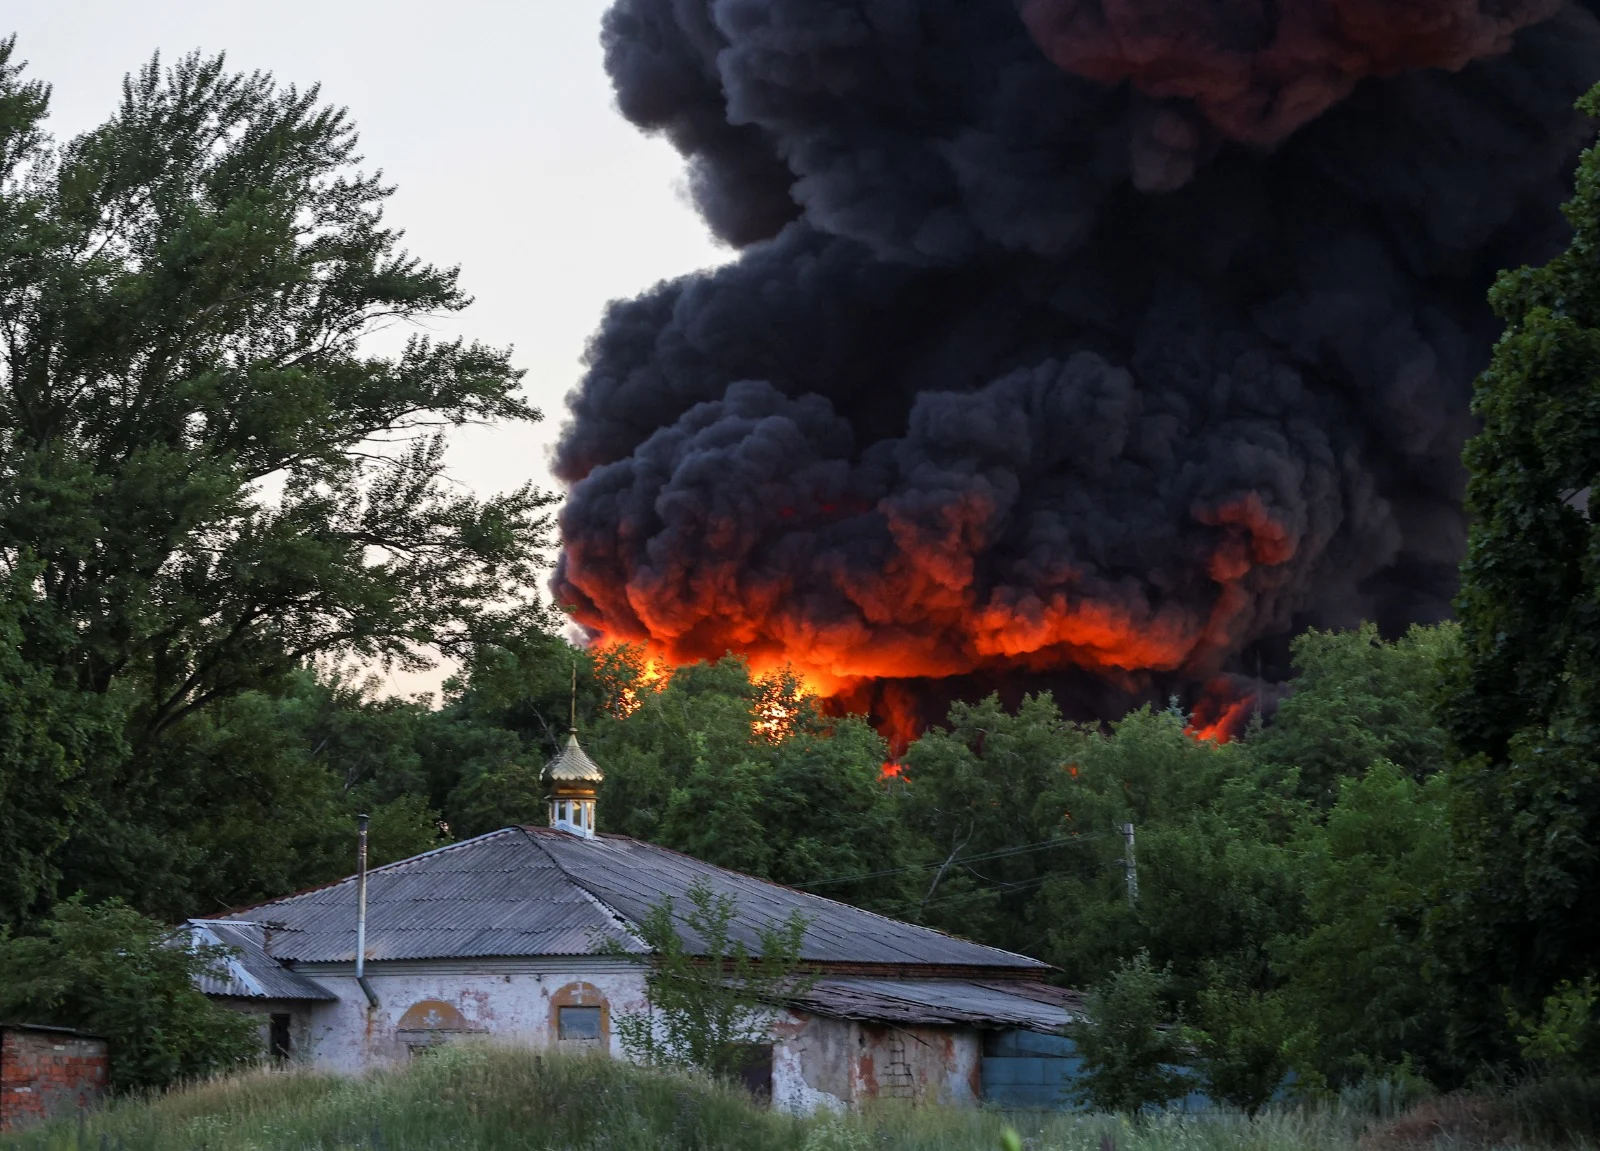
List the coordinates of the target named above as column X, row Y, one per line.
column 627, row 924
column 795, row 890
column 371, row 871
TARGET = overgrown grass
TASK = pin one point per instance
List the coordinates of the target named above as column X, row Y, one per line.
column 491, row 1098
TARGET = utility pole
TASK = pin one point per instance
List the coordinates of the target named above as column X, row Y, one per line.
column 1129, row 868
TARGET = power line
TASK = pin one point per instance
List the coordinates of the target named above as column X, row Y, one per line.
column 999, row 888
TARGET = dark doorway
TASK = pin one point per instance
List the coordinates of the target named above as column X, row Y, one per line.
column 756, row 1074
column 279, row 1042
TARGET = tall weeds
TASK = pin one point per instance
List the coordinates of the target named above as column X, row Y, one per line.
column 487, row 1098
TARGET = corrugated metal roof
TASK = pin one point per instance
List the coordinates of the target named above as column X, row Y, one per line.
column 631, row 877
column 541, row 892
column 249, row 971
column 496, row 895
column 942, row 1002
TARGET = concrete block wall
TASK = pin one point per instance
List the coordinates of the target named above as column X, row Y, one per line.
column 45, row 1072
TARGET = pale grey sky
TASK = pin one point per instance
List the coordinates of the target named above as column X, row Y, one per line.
column 494, row 119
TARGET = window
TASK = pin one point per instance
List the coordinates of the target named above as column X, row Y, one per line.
column 579, row 1017
column 578, row 1024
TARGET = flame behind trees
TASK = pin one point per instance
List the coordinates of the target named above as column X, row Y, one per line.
column 627, row 674
column 745, row 771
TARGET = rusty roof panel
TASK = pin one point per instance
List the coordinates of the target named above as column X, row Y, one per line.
column 938, row 1002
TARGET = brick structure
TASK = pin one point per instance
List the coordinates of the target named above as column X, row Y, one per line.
column 46, row 1071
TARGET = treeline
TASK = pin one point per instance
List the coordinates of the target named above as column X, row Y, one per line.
column 213, row 494
column 1291, row 885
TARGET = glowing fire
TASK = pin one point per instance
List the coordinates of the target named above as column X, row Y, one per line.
column 924, row 615
column 626, row 672
column 1220, row 715
column 778, row 705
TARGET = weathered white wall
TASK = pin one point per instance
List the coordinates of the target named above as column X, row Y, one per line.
column 506, row 1000
column 817, row 1062
column 838, row 1063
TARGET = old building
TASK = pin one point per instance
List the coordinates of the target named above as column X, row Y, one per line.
column 503, row 935
column 48, row 1071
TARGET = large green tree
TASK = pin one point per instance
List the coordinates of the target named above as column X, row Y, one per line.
column 209, row 476
column 1356, row 699
column 982, row 799
column 1213, row 883
column 1357, row 971
column 257, row 793
column 56, row 743
column 1525, row 711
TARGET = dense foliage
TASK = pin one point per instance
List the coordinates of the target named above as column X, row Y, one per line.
column 1526, row 706
column 1132, row 1053
column 207, row 477
column 112, row 971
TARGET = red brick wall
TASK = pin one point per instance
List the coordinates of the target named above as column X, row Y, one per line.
column 43, row 1073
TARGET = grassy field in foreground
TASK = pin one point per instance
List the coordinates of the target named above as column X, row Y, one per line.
column 487, row 1099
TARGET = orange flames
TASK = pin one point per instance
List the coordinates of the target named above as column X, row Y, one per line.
column 778, row 705
column 1220, row 715
column 627, row 672
column 925, row 613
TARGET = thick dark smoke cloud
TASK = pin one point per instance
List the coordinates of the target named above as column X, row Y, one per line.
column 1107, row 337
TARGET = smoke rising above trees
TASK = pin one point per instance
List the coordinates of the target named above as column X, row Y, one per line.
column 1113, row 340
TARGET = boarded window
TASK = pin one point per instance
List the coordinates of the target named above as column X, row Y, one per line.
column 578, row 1024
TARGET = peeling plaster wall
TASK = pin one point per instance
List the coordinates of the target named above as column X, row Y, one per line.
column 817, row 1062
column 509, row 1001
column 839, row 1063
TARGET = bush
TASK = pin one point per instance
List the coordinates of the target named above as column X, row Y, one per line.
column 109, row 970
column 1561, row 1039
column 1129, row 1052
column 1242, row 1045
column 708, row 1008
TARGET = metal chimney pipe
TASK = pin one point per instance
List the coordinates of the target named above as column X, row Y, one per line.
column 361, row 911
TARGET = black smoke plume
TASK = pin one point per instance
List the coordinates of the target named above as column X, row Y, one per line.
column 1096, row 344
